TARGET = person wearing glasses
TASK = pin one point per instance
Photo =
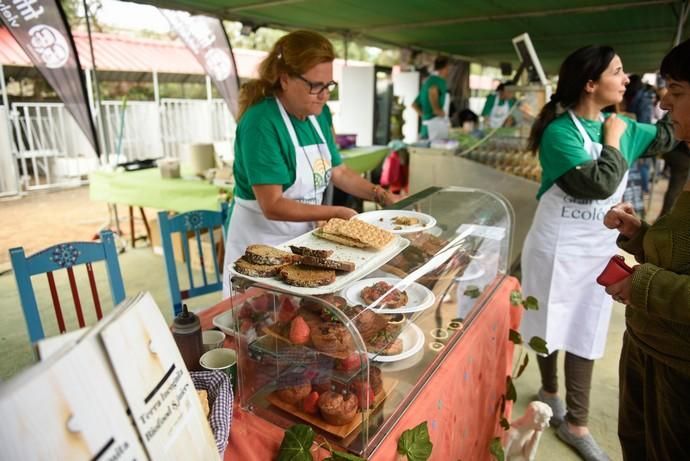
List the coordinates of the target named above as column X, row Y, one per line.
column 285, row 153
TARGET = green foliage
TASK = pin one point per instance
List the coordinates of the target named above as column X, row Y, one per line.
column 504, row 424
column 415, row 443
column 472, row 291
column 515, row 298
column 515, row 337
column 496, row 449
column 511, row 393
column 296, row 444
column 531, row 303
column 538, row 344
column 522, row 367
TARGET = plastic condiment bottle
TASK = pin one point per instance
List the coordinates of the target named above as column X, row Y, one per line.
column 186, row 330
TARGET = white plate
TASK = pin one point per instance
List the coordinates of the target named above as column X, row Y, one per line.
column 473, row 272
column 365, row 259
column 419, row 297
column 384, row 220
column 412, row 341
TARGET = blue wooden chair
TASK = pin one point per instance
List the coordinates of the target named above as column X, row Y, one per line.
column 65, row 256
column 192, row 224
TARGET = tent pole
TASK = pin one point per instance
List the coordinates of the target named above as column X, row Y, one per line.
column 96, row 88
column 682, row 18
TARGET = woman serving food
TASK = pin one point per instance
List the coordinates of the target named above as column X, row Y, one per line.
column 285, row 154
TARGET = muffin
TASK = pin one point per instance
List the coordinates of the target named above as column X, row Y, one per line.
column 332, row 338
column 338, row 409
column 294, row 389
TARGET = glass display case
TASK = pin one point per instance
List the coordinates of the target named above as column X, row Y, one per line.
column 348, row 357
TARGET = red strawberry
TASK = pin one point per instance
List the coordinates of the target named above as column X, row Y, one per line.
column 299, row 331
column 263, row 302
column 352, row 362
column 365, row 394
column 310, row 403
column 246, row 311
column 287, row 311
column 246, row 325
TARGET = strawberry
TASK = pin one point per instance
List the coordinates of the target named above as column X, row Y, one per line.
column 246, row 311
column 365, row 394
column 246, row 325
column 352, row 362
column 299, row 331
column 310, row 403
column 287, row 310
column 263, row 302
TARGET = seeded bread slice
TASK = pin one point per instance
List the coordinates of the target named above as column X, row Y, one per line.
column 308, row 277
column 346, row 266
column 257, row 270
column 304, row 251
column 267, row 255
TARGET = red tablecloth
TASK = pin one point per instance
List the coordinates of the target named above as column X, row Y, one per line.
column 461, row 402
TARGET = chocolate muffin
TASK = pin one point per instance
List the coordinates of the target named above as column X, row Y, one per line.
column 293, row 389
column 332, row 338
column 337, row 409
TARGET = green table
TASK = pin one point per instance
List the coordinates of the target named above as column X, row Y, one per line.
column 364, row 159
column 146, row 188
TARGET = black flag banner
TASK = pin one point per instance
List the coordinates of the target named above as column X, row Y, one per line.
column 206, row 39
column 41, row 29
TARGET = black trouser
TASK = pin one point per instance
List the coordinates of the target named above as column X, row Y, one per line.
column 578, row 382
column 654, row 411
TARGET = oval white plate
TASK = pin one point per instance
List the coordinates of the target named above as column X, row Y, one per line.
column 384, row 220
column 412, row 341
column 419, row 297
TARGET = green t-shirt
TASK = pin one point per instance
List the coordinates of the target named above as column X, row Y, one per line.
column 425, row 103
column 561, row 147
column 489, row 104
column 264, row 153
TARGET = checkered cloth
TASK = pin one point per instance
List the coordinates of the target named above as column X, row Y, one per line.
column 219, row 389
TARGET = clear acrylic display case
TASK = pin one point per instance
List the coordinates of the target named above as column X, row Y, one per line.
column 350, row 367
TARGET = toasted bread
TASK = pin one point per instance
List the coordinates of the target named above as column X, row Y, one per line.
column 308, row 277
column 346, row 266
column 354, row 230
column 267, row 255
column 339, row 239
column 257, row 270
column 304, row 251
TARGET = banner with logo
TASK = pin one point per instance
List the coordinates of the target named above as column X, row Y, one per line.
column 206, row 39
column 41, row 29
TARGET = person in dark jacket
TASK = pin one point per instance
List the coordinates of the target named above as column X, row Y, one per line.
column 654, row 410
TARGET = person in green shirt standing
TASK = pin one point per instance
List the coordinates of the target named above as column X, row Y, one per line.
column 285, row 153
column 432, row 96
column 497, row 107
column 585, row 159
column 654, row 410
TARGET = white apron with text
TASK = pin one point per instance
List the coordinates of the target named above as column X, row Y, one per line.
column 499, row 113
column 565, row 250
column 248, row 224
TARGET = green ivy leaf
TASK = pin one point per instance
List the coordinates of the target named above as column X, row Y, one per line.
column 511, row 393
column 496, row 449
column 515, row 298
column 523, row 366
column 296, row 444
column 531, row 303
column 505, row 424
column 515, row 337
column 415, row 443
column 538, row 345
column 472, row 291
column 342, row 456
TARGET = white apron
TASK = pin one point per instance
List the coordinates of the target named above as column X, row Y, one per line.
column 565, row 249
column 499, row 113
column 248, row 224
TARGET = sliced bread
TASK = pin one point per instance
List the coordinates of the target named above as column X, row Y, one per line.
column 346, row 266
column 339, row 239
column 304, row 251
column 308, row 277
column 267, row 255
column 257, row 270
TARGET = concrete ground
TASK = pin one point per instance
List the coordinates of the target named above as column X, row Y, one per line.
column 69, row 215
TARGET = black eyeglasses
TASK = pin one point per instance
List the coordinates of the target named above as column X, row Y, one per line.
column 318, row 87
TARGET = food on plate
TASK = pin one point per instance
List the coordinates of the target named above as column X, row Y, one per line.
column 203, row 399
column 299, row 331
column 305, row 251
column 310, row 404
column 257, row 270
column 397, row 228
column 367, row 322
column 346, row 266
column 351, row 362
column 375, row 379
column 316, row 307
column 394, row 299
column 339, row 239
column 267, row 255
column 294, row 389
column 332, row 338
column 354, row 232
column 338, row 409
column 287, row 310
column 365, row 394
column 406, row 221
column 385, row 342
column 309, row 277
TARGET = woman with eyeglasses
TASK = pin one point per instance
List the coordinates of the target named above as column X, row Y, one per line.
column 285, row 153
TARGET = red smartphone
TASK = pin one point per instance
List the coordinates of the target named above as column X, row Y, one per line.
column 615, row 271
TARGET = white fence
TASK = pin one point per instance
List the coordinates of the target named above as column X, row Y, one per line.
column 51, row 151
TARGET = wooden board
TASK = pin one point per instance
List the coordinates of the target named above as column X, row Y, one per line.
column 339, row 431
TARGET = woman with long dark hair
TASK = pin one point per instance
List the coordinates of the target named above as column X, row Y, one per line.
column 654, row 413
column 585, row 159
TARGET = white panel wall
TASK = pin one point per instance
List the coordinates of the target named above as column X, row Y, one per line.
column 8, row 179
column 357, row 103
column 406, row 87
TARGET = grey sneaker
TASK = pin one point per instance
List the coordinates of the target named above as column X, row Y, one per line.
column 557, row 406
column 586, row 446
